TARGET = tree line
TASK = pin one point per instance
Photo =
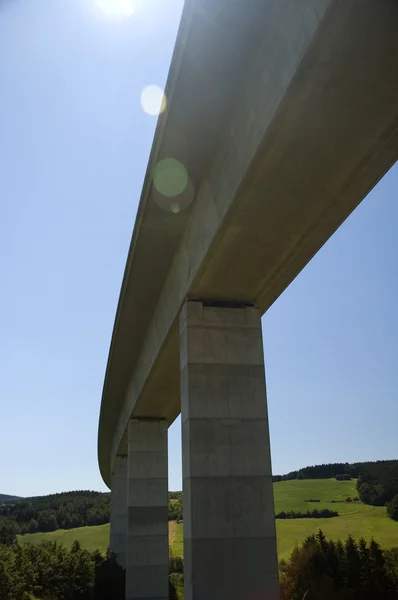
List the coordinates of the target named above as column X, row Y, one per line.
column 323, row 513
column 66, row 510
column 52, row 572
column 378, row 483
column 330, row 470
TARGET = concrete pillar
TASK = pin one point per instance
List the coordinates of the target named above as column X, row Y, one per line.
column 119, row 510
column 229, row 524
column 147, row 505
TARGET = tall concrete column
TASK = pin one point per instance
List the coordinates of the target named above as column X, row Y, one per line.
column 229, row 524
column 147, row 505
column 119, row 510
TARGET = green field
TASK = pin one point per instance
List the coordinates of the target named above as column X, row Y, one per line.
column 356, row 518
column 91, row 538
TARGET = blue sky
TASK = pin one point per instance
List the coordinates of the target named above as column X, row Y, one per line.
column 74, row 144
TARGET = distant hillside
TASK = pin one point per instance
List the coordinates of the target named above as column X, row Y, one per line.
column 58, row 511
column 377, row 482
column 4, row 498
column 327, row 471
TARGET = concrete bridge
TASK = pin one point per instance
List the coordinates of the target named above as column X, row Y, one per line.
column 281, row 116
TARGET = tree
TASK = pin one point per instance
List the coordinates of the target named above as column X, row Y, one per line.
column 8, row 532
column 392, row 508
column 322, row 569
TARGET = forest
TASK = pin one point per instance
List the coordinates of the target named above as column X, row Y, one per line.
column 355, row 470
column 66, row 510
column 49, row 571
column 322, row 569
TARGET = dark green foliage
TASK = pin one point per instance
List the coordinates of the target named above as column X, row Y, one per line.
column 392, row 508
column 176, row 577
column 348, row 470
column 8, row 532
column 313, row 500
column 348, row 499
column 51, row 572
column 5, row 499
column 58, row 511
column 175, row 510
column 109, row 578
column 323, row 513
column 323, row 569
column 175, row 495
column 378, row 482
column 69, row 510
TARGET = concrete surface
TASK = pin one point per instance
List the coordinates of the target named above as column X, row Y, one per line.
column 229, row 524
column 147, row 506
column 118, row 521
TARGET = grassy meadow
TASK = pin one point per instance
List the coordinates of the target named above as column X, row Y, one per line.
column 90, row 538
column 356, row 518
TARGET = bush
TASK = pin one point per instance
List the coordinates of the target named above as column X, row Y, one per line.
column 392, row 508
column 312, row 500
column 176, row 564
column 343, row 477
column 176, row 577
column 348, row 499
column 323, row 513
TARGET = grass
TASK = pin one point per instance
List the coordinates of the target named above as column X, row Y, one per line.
column 177, row 546
column 90, row 538
column 360, row 520
column 356, row 518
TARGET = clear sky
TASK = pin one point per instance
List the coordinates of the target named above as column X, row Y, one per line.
column 74, row 144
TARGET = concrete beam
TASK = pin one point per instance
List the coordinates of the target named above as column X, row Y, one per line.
column 229, row 523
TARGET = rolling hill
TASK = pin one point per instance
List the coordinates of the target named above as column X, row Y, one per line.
column 361, row 520
column 6, row 498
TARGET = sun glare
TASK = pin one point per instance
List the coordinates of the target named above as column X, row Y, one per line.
column 117, row 9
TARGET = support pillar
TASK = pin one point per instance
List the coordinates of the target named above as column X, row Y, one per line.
column 147, row 539
column 118, row 520
column 229, row 524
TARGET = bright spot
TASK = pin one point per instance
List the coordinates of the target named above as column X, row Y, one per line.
column 170, row 177
column 175, row 208
column 116, row 8
column 153, row 100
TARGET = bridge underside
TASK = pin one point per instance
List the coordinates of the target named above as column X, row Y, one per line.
column 309, row 128
column 284, row 115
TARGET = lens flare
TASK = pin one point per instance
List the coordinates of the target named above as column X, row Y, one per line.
column 153, row 100
column 170, row 177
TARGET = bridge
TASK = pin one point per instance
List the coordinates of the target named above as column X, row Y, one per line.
column 281, row 116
